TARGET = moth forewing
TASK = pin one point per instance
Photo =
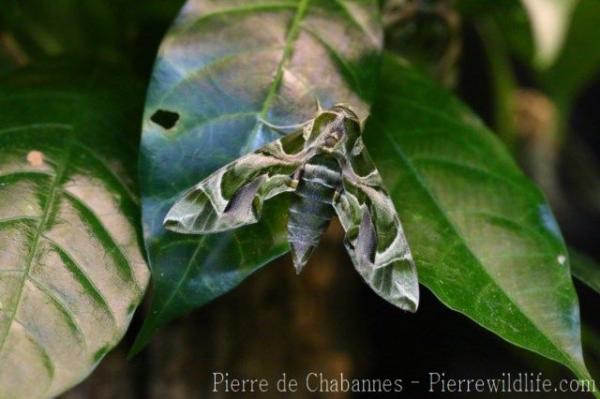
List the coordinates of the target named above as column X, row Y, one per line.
column 375, row 238
column 389, row 271
column 349, row 213
column 366, row 243
column 233, row 196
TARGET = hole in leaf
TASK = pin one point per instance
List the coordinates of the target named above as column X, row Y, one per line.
column 35, row 158
column 165, row 119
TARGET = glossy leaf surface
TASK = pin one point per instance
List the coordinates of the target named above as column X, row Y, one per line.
column 482, row 235
column 223, row 68
column 71, row 270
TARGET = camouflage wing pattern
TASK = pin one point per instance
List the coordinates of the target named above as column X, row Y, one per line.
column 374, row 236
column 233, row 196
column 326, row 164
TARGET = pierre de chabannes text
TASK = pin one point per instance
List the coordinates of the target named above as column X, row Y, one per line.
column 524, row 382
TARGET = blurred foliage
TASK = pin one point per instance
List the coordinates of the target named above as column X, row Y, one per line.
column 579, row 62
column 550, row 21
column 425, row 32
column 112, row 31
column 513, row 23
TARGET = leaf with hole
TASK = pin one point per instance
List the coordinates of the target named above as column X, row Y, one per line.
column 224, row 69
column 482, row 235
column 71, row 270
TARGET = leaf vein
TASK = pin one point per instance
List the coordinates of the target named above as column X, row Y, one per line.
column 121, row 261
column 132, row 196
column 339, row 59
column 288, row 50
column 14, row 129
column 82, row 278
column 206, row 69
column 52, row 194
column 273, row 6
column 48, row 363
column 57, row 302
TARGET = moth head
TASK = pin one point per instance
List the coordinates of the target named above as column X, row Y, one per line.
column 350, row 124
column 322, row 125
column 344, row 111
column 336, row 128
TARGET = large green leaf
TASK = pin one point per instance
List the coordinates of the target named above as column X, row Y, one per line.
column 483, row 237
column 71, row 269
column 223, row 67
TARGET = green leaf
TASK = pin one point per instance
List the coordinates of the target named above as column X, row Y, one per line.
column 483, row 237
column 71, row 269
column 550, row 23
column 222, row 68
column 585, row 269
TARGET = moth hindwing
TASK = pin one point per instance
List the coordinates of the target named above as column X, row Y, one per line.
column 327, row 168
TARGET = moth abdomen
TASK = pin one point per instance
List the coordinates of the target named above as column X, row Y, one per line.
column 308, row 219
column 311, row 209
column 327, row 175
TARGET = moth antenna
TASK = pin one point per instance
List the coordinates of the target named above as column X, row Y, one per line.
column 318, row 103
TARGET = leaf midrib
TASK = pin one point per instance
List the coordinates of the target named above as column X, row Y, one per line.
column 35, row 241
column 288, row 50
column 417, row 177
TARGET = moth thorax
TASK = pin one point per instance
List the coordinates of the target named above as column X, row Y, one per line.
column 333, row 137
column 345, row 111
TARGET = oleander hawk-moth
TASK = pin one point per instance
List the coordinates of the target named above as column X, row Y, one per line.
column 328, row 169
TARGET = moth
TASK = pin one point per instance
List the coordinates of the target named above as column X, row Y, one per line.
column 326, row 167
